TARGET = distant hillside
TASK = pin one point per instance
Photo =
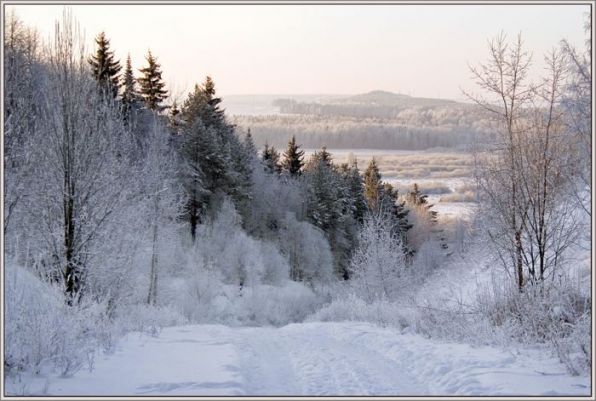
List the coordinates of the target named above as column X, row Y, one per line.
column 384, row 98
column 375, row 104
column 373, row 120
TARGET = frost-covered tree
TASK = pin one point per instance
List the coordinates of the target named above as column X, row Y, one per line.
column 205, row 167
column 383, row 201
column 272, row 197
column 505, row 78
column 521, row 176
column 395, row 211
column 308, row 251
column 152, row 88
column 355, row 189
column 331, row 207
column 104, row 67
column 80, row 183
column 378, row 262
column 215, row 161
column 129, row 96
column 23, row 75
column 162, row 201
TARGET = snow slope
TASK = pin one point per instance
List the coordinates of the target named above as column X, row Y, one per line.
column 308, row 359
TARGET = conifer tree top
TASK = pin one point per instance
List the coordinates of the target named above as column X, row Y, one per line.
column 104, row 67
column 152, row 86
column 293, row 158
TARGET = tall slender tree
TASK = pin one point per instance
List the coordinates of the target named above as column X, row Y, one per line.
column 104, row 67
column 152, row 86
column 129, row 90
column 372, row 185
column 215, row 162
column 293, row 158
column 354, row 184
column 397, row 212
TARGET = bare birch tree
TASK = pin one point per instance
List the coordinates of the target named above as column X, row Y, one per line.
column 522, row 176
column 504, row 78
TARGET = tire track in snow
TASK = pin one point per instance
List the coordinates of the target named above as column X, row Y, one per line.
column 306, row 359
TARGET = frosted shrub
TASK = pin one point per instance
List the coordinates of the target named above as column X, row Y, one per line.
column 352, row 308
column 555, row 314
column 235, row 279
column 259, row 304
column 378, row 263
column 42, row 332
column 275, row 266
column 279, row 305
column 231, row 252
column 147, row 318
column 428, row 259
column 199, row 291
column 307, row 250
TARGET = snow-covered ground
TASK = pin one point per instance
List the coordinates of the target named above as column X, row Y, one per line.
column 307, row 359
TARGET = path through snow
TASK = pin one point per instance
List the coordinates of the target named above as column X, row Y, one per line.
column 307, row 359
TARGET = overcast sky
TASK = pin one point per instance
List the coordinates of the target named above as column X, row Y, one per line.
column 420, row 50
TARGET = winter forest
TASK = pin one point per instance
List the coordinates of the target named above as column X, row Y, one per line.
column 141, row 225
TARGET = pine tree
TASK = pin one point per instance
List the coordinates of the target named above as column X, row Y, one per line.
column 104, row 67
column 372, row 186
column 129, row 91
column 152, row 86
column 293, row 158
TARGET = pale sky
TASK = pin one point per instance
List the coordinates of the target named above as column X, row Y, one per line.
column 420, row 50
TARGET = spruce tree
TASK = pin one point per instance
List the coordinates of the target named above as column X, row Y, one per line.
column 329, row 207
column 356, row 190
column 129, row 92
column 152, row 86
column 104, row 67
column 217, row 163
column 372, row 186
column 215, row 114
column 293, row 158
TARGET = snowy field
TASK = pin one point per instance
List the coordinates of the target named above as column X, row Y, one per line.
column 308, row 359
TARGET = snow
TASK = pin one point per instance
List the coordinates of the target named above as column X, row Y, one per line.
column 307, row 359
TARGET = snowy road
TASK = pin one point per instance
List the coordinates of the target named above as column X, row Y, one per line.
column 308, row 359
